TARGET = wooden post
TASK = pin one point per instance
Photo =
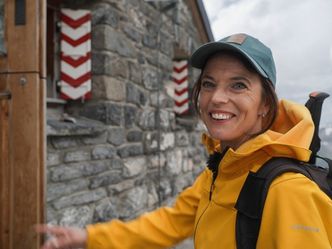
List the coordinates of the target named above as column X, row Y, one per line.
column 22, row 124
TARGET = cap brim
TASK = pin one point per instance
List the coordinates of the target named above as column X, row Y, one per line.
column 201, row 55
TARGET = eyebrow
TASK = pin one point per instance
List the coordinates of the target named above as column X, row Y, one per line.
column 232, row 78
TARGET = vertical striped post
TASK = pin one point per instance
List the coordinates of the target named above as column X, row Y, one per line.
column 180, row 81
column 75, row 54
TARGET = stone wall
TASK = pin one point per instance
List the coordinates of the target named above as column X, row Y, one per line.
column 127, row 152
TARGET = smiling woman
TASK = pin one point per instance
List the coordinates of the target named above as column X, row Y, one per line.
column 235, row 99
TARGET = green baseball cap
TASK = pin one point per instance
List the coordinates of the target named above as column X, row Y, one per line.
column 259, row 55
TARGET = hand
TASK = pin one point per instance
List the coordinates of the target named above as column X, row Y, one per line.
column 63, row 237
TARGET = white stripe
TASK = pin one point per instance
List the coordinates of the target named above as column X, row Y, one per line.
column 180, row 98
column 77, row 33
column 181, row 109
column 74, row 14
column 75, row 93
column 76, row 72
column 179, row 64
column 81, row 49
column 181, row 75
column 181, row 86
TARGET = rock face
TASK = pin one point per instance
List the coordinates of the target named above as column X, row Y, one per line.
column 127, row 152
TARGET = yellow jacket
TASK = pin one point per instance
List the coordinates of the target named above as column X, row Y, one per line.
column 297, row 213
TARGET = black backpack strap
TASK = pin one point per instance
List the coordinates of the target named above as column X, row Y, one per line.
column 251, row 200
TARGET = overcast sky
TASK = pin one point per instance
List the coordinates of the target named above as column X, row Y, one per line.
column 299, row 32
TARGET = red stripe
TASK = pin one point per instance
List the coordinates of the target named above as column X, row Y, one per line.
column 180, row 69
column 180, row 80
column 75, row 82
column 88, row 95
column 181, row 103
column 180, row 92
column 76, row 62
column 77, row 42
column 75, row 23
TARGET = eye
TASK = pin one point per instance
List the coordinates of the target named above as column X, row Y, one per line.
column 239, row 86
column 208, row 84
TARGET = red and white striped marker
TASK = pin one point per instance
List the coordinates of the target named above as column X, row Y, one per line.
column 75, row 54
column 180, row 80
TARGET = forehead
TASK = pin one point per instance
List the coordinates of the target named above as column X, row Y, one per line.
column 228, row 62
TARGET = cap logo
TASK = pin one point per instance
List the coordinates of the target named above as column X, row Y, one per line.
column 238, row 38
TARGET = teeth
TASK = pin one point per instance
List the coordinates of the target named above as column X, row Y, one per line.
column 221, row 116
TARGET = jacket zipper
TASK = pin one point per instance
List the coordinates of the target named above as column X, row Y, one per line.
column 213, row 165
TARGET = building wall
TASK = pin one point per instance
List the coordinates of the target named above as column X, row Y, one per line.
column 127, row 152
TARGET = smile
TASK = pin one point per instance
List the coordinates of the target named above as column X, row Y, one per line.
column 221, row 116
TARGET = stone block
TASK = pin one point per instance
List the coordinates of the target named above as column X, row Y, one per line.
column 147, row 119
column 134, row 166
column 109, row 88
column 65, row 188
column 136, row 95
column 76, row 216
column 132, row 33
column 103, row 152
column 130, row 113
column 105, row 14
column 151, row 78
column 104, row 211
column 77, row 156
column 116, row 136
column 150, row 142
column 174, row 162
column 135, row 136
column 157, row 161
column 132, row 201
column 63, row 142
column 106, row 112
column 64, row 172
column 103, row 34
column 167, row 141
column 105, row 179
column 95, row 139
column 129, row 150
column 53, row 158
column 182, row 138
column 135, row 72
column 102, row 63
column 80, row 198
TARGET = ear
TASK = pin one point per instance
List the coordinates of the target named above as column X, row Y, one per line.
column 264, row 108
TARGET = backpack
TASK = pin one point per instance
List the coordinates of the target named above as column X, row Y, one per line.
column 250, row 203
column 251, row 200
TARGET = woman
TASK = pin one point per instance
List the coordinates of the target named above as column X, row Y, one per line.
column 235, row 99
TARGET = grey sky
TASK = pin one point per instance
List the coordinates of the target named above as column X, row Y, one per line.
column 299, row 32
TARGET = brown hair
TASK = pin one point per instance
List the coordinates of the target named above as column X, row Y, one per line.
column 268, row 93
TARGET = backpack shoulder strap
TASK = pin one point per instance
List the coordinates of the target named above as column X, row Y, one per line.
column 250, row 203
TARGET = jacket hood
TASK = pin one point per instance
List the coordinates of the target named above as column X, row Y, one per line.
column 290, row 136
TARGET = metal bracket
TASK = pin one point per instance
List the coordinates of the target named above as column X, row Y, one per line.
column 20, row 15
column 5, row 95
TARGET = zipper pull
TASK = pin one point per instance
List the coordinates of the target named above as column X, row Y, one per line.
column 211, row 190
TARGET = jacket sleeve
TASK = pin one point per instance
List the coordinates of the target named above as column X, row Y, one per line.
column 297, row 214
column 161, row 228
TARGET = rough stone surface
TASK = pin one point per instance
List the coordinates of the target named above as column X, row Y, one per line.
column 80, row 198
column 134, row 166
column 130, row 150
column 116, row 136
column 135, row 136
column 103, row 152
column 74, row 216
column 128, row 153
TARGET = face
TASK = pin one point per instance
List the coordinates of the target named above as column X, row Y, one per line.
column 230, row 100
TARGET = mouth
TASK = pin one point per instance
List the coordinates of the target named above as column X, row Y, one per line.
column 221, row 116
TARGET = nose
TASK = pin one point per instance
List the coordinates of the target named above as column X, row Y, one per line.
column 219, row 96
